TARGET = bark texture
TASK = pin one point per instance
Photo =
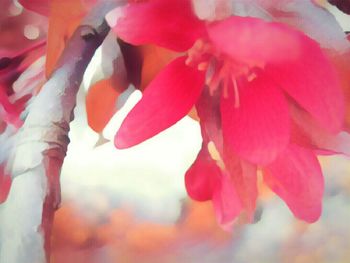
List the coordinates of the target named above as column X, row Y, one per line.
column 40, row 147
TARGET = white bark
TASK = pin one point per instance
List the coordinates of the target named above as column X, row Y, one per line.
column 40, row 147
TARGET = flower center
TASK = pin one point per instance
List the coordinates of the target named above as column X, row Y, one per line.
column 222, row 71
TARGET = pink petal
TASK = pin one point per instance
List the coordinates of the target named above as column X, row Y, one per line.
column 208, row 109
column 336, row 144
column 258, row 129
column 254, row 41
column 308, row 133
column 39, row 6
column 244, row 178
column 294, row 61
column 170, row 24
column 341, row 60
column 297, row 178
column 306, row 16
column 202, row 177
column 312, row 82
column 167, row 99
column 5, row 184
column 227, row 204
column 9, row 112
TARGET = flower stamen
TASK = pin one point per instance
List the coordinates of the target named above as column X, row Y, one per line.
column 213, row 83
column 198, row 53
column 225, row 87
column 251, row 76
column 215, row 155
column 203, row 66
column 236, row 91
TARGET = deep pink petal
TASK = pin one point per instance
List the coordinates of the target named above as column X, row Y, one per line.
column 252, row 40
column 167, row 99
column 9, row 112
column 227, row 204
column 312, row 82
column 170, row 24
column 202, row 177
column 5, row 184
column 297, row 178
column 258, row 128
column 4, row 100
column 308, row 133
column 39, row 6
column 244, row 178
column 208, row 109
column 294, row 61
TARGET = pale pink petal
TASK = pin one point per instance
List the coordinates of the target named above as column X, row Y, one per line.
column 167, row 99
column 202, row 177
column 211, row 10
column 171, row 24
column 254, row 41
column 297, row 178
column 257, row 129
column 306, row 16
column 227, row 204
column 315, row 21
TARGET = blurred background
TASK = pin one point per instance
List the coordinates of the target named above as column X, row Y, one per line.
column 131, row 205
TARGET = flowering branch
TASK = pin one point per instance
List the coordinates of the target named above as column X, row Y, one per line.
column 41, row 145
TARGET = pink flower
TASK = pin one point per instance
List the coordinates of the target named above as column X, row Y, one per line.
column 251, row 82
column 12, row 65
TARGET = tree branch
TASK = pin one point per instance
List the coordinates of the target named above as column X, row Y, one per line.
column 40, row 147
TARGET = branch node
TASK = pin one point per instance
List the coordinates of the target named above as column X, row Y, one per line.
column 88, row 32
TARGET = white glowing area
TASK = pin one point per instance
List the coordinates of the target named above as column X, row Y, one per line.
column 148, row 177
